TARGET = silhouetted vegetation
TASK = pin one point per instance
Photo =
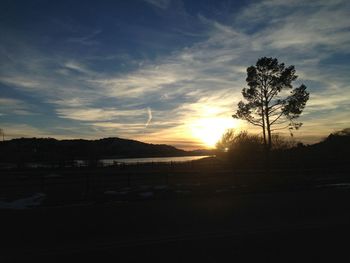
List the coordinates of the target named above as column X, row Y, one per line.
column 244, row 150
column 269, row 105
column 247, row 150
column 241, row 149
column 2, row 134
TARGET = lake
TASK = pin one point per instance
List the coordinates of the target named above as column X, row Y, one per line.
column 178, row 159
column 117, row 161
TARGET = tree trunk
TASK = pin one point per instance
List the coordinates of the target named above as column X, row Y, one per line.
column 263, row 124
column 269, row 144
column 268, row 148
column 268, row 128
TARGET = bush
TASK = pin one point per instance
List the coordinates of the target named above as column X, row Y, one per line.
column 241, row 150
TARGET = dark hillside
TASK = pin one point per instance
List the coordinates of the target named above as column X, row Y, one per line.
column 48, row 149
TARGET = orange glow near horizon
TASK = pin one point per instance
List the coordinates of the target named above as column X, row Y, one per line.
column 210, row 130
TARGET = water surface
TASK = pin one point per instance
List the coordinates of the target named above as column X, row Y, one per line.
column 177, row 159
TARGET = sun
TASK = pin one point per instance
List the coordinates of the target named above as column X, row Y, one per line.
column 210, row 130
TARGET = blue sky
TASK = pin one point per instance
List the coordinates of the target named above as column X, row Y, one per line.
column 164, row 71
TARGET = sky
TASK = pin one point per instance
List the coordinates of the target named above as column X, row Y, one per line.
column 164, row 71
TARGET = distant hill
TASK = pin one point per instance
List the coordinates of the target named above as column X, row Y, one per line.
column 331, row 153
column 337, row 142
column 48, row 149
column 336, row 145
column 203, row 152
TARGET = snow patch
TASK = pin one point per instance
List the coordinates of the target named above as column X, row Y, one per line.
column 24, row 203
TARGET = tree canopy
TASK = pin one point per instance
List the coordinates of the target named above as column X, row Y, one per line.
column 271, row 102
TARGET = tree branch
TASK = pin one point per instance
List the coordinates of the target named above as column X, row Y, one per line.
column 273, row 110
column 281, row 122
column 279, row 116
column 257, row 123
column 281, row 128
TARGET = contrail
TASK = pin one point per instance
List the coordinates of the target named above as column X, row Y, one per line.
column 149, row 116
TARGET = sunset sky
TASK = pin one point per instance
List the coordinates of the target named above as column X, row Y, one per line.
column 164, row 71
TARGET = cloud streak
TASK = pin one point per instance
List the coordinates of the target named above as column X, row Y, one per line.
column 162, row 4
column 149, row 111
column 10, row 106
column 202, row 80
column 97, row 114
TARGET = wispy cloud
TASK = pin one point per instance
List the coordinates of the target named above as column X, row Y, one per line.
column 204, row 79
column 97, row 114
column 88, row 39
column 149, row 111
column 9, row 106
column 23, row 82
column 77, row 67
column 163, row 4
column 147, row 80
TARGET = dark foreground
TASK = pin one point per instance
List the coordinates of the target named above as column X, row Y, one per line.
column 291, row 226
